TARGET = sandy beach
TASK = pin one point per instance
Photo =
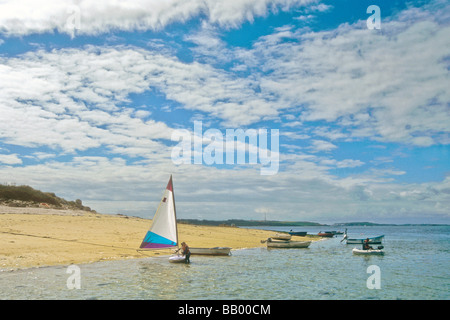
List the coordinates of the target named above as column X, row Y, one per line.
column 35, row 237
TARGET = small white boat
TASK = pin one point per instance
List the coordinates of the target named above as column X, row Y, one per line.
column 367, row 252
column 177, row 259
column 216, row 251
column 287, row 244
column 282, row 236
column 374, row 240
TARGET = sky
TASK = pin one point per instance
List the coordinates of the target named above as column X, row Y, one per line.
column 96, row 97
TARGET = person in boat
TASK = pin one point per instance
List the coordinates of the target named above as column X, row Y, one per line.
column 185, row 251
column 366, row 245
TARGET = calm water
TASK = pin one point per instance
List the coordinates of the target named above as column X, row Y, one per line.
column 416, row 265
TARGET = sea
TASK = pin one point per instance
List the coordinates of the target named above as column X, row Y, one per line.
column 416, row 265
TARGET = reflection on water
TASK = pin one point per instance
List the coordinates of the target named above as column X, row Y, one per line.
column 159, row 279
column 415, row 266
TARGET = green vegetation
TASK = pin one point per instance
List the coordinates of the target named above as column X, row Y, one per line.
column 353, row 224
column 27, row 193
column 26, row 196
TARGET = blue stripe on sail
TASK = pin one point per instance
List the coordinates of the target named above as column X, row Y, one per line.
column 152, row 237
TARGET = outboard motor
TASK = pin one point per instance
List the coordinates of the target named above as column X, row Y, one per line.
column 380, row 247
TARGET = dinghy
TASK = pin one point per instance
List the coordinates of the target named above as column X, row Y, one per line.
column 326, row 234
column 163, row 233
column 298, row 233
column 373, row 240
column 368, row 252
column 177, row 259
column 282, row 236
column 216, row 251
column 271, row 243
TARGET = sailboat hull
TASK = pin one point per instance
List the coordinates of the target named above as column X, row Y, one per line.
column 177, row 259
column 368, row 252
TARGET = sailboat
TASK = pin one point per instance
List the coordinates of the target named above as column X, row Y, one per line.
column 163, row 233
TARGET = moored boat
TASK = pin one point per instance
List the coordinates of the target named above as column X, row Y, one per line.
column 177, row 259
column 287, row 244
column 326, row 234
column 373, row 240
column 216, row 251
column 298, row 233
column 368, row 251
column 282, row 236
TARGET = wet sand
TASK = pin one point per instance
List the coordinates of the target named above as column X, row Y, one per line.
column 35, row 237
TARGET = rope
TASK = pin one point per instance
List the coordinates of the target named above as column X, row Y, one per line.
column 66, row 240
column 75, row 240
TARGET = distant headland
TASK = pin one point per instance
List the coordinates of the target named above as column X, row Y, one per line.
column 248, row 223
column 27, row 197
column 275, row 223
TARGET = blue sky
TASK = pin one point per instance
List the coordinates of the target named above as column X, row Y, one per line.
column 91, row 92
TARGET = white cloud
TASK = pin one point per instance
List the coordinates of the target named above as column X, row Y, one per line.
column 380, row 86
column 42, row 155
column 321, row 146
column 346, row 163
column 73, row 99
column 22, row 17
column 294, row 135
column 10, row 159
column 387, row 86
column 332, row 134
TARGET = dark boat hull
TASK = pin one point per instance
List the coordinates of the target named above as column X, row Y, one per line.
column 298, row 233
column 326, row 235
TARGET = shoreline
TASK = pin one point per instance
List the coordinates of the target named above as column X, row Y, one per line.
column 155, row 256
column 37, row 237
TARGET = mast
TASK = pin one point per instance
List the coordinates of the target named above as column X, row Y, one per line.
column 174, row 207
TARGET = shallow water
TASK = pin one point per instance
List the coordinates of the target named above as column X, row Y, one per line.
column 416, row 265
